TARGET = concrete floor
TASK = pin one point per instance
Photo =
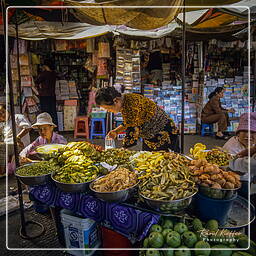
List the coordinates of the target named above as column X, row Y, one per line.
column 49, row 239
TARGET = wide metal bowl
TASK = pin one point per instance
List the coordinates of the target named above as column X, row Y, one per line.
column 48, row 154
column 114, row 197
column 33, row 180
column 68, row 187
column 171, row 206
column 217, row 193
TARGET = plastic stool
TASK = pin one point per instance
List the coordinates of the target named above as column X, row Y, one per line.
column 98, row 133
column 81, row 127
column 207, row 129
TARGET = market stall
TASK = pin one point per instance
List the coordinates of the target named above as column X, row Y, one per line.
column 64, row 200
column 130, row 192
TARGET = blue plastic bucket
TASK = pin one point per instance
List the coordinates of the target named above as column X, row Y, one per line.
column 207, row 208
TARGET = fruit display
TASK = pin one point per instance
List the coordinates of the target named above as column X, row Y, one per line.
column 37, row 169
column 77, row 172
column 202, row 237
column 117, row 156
column 116, row 180
column 164, row 176
column 198, row 151
column 210, row 175
column 217, row 155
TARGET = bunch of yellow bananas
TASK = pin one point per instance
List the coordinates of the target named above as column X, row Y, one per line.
column 198, row 151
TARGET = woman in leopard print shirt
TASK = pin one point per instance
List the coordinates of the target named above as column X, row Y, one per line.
column 142, row 118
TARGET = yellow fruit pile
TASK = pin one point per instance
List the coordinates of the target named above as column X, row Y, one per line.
column 198, row 151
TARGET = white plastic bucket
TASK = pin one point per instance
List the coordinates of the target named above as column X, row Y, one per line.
column 80, row 233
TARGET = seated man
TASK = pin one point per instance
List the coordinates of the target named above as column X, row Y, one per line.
column 45, row 127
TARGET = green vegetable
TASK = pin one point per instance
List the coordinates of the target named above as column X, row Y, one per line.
column 168, row 253
column 221, row 252
column 197, row 224
column 241, row 254
column 155, row 240
column 189, row 238
column 153, row 253
column 166, row 231
column 156, row 228
column 145, row 243
column 212, row 225
column 173, row 239
column 182, row 252
column 37, row 169
column 180, row 227
column 203, row 244
column 168, row 224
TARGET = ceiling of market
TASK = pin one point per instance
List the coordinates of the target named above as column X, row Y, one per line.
column 89, row 18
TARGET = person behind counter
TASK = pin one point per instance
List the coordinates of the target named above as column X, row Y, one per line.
column 213, row 112
column 141, row 118
column 45, row 127
column 45, row 84
column 240, row 142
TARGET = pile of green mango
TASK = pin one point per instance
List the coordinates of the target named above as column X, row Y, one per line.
column 171, row 234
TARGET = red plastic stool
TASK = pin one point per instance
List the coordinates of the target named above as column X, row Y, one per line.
column 81, row 127
column 111, row 239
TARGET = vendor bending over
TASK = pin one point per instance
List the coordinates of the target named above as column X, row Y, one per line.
column 45, row 127
column 141, row 118
column 213, row 112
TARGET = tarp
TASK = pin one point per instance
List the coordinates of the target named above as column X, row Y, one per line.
column 139, row 18
column 37, row 30
column 199, row 21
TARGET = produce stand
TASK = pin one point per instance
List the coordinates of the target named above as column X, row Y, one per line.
column 165, row 177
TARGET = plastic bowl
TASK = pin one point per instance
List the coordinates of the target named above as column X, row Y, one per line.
column 171, row 206
column 114, row 197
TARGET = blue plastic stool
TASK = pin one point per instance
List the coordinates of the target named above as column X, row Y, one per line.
column 207, row 129
column 98, row 133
